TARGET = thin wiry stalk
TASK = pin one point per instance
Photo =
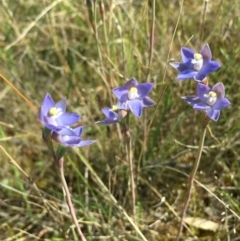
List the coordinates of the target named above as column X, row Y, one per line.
column 191, row 179
column 102, row 11
column 131, row 169
column 164, row 75
column 151, row 43
column 226, row 206
column 171, row 44
column 203, row 21
column 151, row 39
column 112, row 198
column 68, row 199
column 102, row 68
column 163, row 201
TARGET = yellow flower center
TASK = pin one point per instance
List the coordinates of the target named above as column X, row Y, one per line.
column 211, row 98
column 53, row 111
column 133, row 93
column 114, row 107
column 197, row 56
column 212, row 94
column 197, row 61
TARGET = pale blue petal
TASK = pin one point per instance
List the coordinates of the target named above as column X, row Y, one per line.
column 135, row 107
column 221, row 103
column 144, row 89
column 186, row 74
column 131, row 83
column 84, row 143
column 209, row 67
column 187, row 55
column 62, row 105
column 203, row 90
column 78, row 130
column 201, row 106
column 147, row 102
column 47, row 104
column 219, row 89
column 179, row 66
column 121, row 93
column 67, row 119
column 191, row 100
column 213, row 114
column 206, row 53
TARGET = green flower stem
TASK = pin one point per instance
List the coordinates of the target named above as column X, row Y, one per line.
column 192, row 176
column 131, row 169
column 68, row 198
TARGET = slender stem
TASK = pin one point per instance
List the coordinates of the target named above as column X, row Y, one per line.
column 131, row 170
column 151, row 39
column 151, row 47
column 203, row 20
column 166, row 86
column 113, row 199
column 191, row 178
column 68, row 199
column 102, row 11
column 102, row 68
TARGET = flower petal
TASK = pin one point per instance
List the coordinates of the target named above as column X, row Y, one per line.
column 213, row 114
column 66, row 131
column 52, row 127
column 70, row 140
column 111, row 117
column 187, row 54
column 131, row 83
column 219, row 89
column 40, row 115
column 144, row 89
column 191, row 100
column 203, row 90
column 84, row 143
column 62, row 105
column 199, row 77
column 136, row 107
column 221, row 103
column 107, row 121
column 146, row 101
column 70, row 137
column 121, row 93
column 106, row 111
column 206, row 53
column 179, row 66
column 186, row 74
column 78, row 130
column 201, row 106
column 209, row 67
column 47, row 104
column 67, row 119
column 122, row 105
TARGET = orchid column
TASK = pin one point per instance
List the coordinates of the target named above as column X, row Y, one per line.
column 209, row 100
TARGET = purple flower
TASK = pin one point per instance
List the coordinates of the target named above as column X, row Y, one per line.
column 133, row 96
column 70, row 137
column 53, row 115
column 195, row 65
column 211, row 100
column 111, row 116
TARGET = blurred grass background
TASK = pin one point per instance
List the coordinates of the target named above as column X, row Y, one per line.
column 68, row 48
